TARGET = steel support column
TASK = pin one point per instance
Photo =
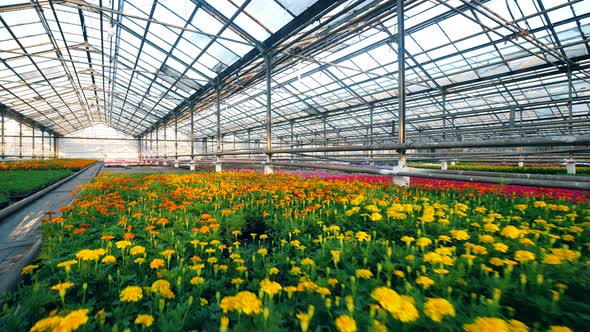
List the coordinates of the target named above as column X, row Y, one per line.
column 2, row 132
column 55, row 148
column 292, row 138
column 249, row 144
column 444, row 117
column 371, row 109
column 42, row 144
column 401, row 62
column 165, row 144
column 157, row 144
column 268, row 169
column 218, row 167
column 569, row 99
column 176, row 140
column 192, row 110
column 151, row 144
column 33, row 142
column 20, row 139
column 325, row 135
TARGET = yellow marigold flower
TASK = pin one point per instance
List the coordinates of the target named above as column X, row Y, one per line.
column 441, row 271
column 424, row 281
column 552, row 259
column 131, row 294
column 362, row 236
column 407, row 310
column 223, row 324
column 144, row 320
column 332, row 282
column 372, row 208
column 227, row 304
column 558, row 328
column 49, row 323
column 122, row 244
column 444, row 238
column 245, row 302
column 565, row 254
column 305, row 318
column 167, row 253
column 29, row 268
column 496, row 261
column 501, row 247
column 110, row 259
column 399, row 273
column 523, row 256
column 162, row 287
column 445, row 251
column 521, row 207
column 539, row 204
column 423, row 242
column 375, row 216
column 323, row 291
column 487, row 324
column 73, row 320
column 437, row 308
column 335, row 255
column 364, row 273
column 67, row 264
column 517, row 326
column 568, row 238
column 432, row 258
column 62, row 286
column 307, row 262
column 345, row 323
column 460, row 235
column 479, row 250
column 270, row 287
column 273, row 271
column 137, row 250
column 290, row 290
column 237, row 281
column 407, row 239
column 486, row 238
column 449, row 261
column 90, row 255
column 157, row 263
column 510, row 232
column 492, row 228
column 197, row 280
column 387, row 298
column 263, row 251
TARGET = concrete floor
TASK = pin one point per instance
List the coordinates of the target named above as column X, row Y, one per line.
column 143, row 169
column 20, row 236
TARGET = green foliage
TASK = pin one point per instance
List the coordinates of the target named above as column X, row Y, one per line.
column 15, row 184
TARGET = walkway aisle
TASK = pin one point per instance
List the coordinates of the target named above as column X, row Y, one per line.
column 19, row 234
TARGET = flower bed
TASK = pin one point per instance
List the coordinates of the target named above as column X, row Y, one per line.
column 470, row 188
column 71, row 164
column 531, row 169
column 16, row 185
column 242, row 251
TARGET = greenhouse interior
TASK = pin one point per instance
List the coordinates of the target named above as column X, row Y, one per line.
column 295, row 165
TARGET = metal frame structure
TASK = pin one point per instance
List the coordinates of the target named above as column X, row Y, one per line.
column 309, row 78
